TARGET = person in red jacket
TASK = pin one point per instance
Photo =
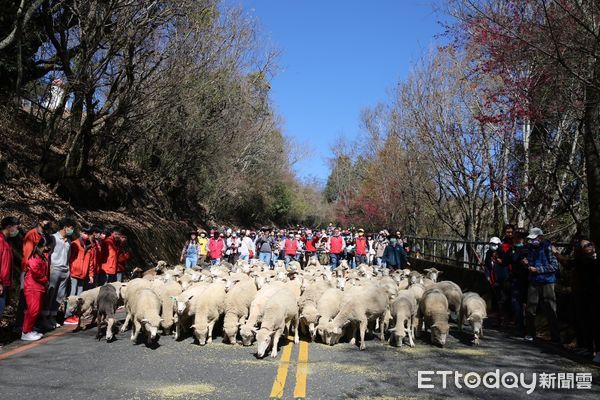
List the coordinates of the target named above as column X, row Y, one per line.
column 30, row 240
column 290, row 247
column 35, row 285
column 336, row 246
column 108, row 268
column 9, row 227
column 216, row 247
column 310, row 245
column 362, row 247
column 81, row 267
column 122, row 258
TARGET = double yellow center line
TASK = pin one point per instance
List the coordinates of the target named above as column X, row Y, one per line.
column 282, row 372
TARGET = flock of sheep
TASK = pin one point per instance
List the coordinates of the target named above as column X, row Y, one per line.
column 262, row 304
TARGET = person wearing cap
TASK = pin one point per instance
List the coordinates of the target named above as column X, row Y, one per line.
column 543, row 267
column 380, row 245
column 335, row 246
column 216, row 247
column 490, row 263
column 265, row 244
column 362, row 247
column 190, row 251
column 30, row 240
column 9, row 228
column 202, row 246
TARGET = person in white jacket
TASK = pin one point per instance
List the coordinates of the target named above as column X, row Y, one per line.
column 247, row 247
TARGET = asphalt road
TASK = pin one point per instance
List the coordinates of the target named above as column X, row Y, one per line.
column 73, row 365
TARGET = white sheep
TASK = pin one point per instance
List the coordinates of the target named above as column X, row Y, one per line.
column 279, row 314
column 433, row 314
column 167, row 292
column 208, row 309
column 473, row 310
column 360, row 305
column 237, row 307
column 256, row 310
column 130, row 292
column 84, row 305
column 184, row 307
column 403, row 311
column 433, row 274
column 144, row 308
column 328, row 307
column 454, row 295
column 417, row 291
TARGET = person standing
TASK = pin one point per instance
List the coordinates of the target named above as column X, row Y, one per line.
column 394, row 255
column 290, row 247
column 362, row 247
column 191, row 251
column 203, row 247
column 59, row 273
column 34, row 286
column 247, row 248
column 233, row 245
column 81, row 268
column 265, row 244
column 108, row 269
column 518, row 281
column 371, row 253
column 380, row 246
column 123, row 256
column 9, row 228
column 310, row 245
column 335, row 246
column 30, row 241
column 543, row 267
column 216, row 247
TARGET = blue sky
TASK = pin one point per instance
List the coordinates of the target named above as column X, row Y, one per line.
column 339, row 57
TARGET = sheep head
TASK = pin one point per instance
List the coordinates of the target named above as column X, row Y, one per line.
column 439, row 332
column 264, row 338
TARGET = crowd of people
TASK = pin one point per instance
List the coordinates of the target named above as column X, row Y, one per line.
column 56, row 265
column 331, row 246
column 523, row 269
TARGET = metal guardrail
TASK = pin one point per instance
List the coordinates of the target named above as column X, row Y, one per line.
column 468, row 254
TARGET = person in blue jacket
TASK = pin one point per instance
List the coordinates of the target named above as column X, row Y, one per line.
column 543, row 270
column 394, row 255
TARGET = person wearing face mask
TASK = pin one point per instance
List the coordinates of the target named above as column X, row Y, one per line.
column 497, row 269
column 123, row 256
column 543, row 267
column 108, row 269
column 519, row 281
column 30, row 240
column 59, row 273
column 81, row 268
column 380, row 246
column 336, row 246
column 9, row 228
column 394, row 255
column 216, row 247
column 36, row 282
column 362, row 247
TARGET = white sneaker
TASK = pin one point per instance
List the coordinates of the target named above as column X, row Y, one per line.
column 529, row 338
column 31, row 336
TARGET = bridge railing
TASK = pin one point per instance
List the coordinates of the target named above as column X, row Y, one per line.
column 464, row 253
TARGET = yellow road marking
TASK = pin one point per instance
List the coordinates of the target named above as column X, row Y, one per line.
column 302, row 369
column 282, row 371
